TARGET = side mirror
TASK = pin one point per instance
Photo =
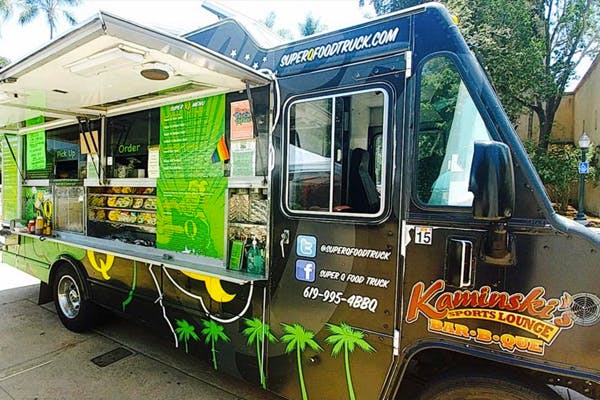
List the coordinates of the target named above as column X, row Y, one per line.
column 492, row 182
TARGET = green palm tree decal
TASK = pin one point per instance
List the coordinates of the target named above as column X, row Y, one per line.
column 213, row 332
column 344, row 337
column 257, row 332
column 297, row 338
column 186, row 331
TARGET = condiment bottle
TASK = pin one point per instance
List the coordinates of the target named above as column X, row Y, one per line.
column 256, row 259
column 39, row 225
column 47, row 228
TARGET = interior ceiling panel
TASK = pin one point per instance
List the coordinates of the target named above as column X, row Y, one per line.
column 96, row 69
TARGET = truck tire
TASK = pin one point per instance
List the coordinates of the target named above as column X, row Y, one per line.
column 485, row 387
column 75, row 310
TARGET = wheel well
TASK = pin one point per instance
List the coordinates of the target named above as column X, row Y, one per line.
column 430, row 364
column 79, row 269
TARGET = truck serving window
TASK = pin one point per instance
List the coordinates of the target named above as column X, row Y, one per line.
column 335, row 149
column 129, row 137
column 449, row 125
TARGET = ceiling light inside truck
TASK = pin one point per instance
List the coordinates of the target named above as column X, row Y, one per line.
column 107, row 60
column 156, row 71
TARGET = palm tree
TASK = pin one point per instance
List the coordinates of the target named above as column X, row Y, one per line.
column 52, row 10
column 297, row 338
column 311, row 25
column 213, row 332
column 256, row 332
column 186, row 331
column 5, row 8
column 343, row 336
column 269, row 20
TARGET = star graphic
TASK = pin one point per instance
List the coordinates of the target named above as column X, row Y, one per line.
column 255, row 65
column 264, row 59
column 247, row 57
column 233, row 53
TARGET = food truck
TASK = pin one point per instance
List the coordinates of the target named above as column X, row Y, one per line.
column 349, row 215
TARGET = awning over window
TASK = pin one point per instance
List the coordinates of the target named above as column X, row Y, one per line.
column 108, row 66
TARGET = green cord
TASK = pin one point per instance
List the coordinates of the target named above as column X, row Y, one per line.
column 129, row 298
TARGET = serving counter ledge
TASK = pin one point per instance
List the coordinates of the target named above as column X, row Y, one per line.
column 184, row 262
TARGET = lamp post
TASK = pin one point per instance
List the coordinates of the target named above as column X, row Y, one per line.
column 584, row 145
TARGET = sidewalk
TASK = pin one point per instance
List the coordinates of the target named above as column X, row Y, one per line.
column 40, row 359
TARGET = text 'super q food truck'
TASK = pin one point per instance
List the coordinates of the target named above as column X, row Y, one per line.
column 350, row 215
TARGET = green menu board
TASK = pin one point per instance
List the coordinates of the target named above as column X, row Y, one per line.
column 10, row 178
column 191, row 190
column 36, row 150
column 190, row 215
column 189, row 133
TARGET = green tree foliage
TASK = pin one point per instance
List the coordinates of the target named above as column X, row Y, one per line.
column 594, row 159
column 311, row 25
column 558, row 169
column 5, row 11
column 388, row 6
column 269, row 20
column 531, row 48
column 5, row 8
column 51, row 9
column 285, row 33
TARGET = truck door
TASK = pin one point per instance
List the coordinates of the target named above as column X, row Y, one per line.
column 334, row 245
column 443, row 241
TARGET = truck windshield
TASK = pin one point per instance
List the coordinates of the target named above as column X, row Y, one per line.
column 449, row 125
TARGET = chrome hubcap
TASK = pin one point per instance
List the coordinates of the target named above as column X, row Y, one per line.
column 69, row 298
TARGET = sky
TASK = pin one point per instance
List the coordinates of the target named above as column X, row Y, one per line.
column 182, row 16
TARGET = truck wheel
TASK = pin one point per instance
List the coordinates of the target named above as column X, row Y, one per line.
column 73, row 306
column 473, row 387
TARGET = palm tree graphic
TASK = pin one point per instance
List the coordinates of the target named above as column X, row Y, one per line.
column 297, row 338
column 186, row 331
column 344, row 337
column 256, row 332
column 213, row 332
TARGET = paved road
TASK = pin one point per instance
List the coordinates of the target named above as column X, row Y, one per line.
column 39, row 359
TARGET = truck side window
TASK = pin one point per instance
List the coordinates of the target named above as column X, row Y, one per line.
column 335, row 149
column 449, row 125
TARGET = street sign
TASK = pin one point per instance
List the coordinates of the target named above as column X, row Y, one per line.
column 584, row 167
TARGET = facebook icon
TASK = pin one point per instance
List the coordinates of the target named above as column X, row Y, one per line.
column 305, row 270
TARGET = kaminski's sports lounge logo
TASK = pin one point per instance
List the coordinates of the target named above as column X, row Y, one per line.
column 541, row 319
column 379, row 38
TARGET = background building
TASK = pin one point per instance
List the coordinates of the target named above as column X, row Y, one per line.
column 578, row 112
